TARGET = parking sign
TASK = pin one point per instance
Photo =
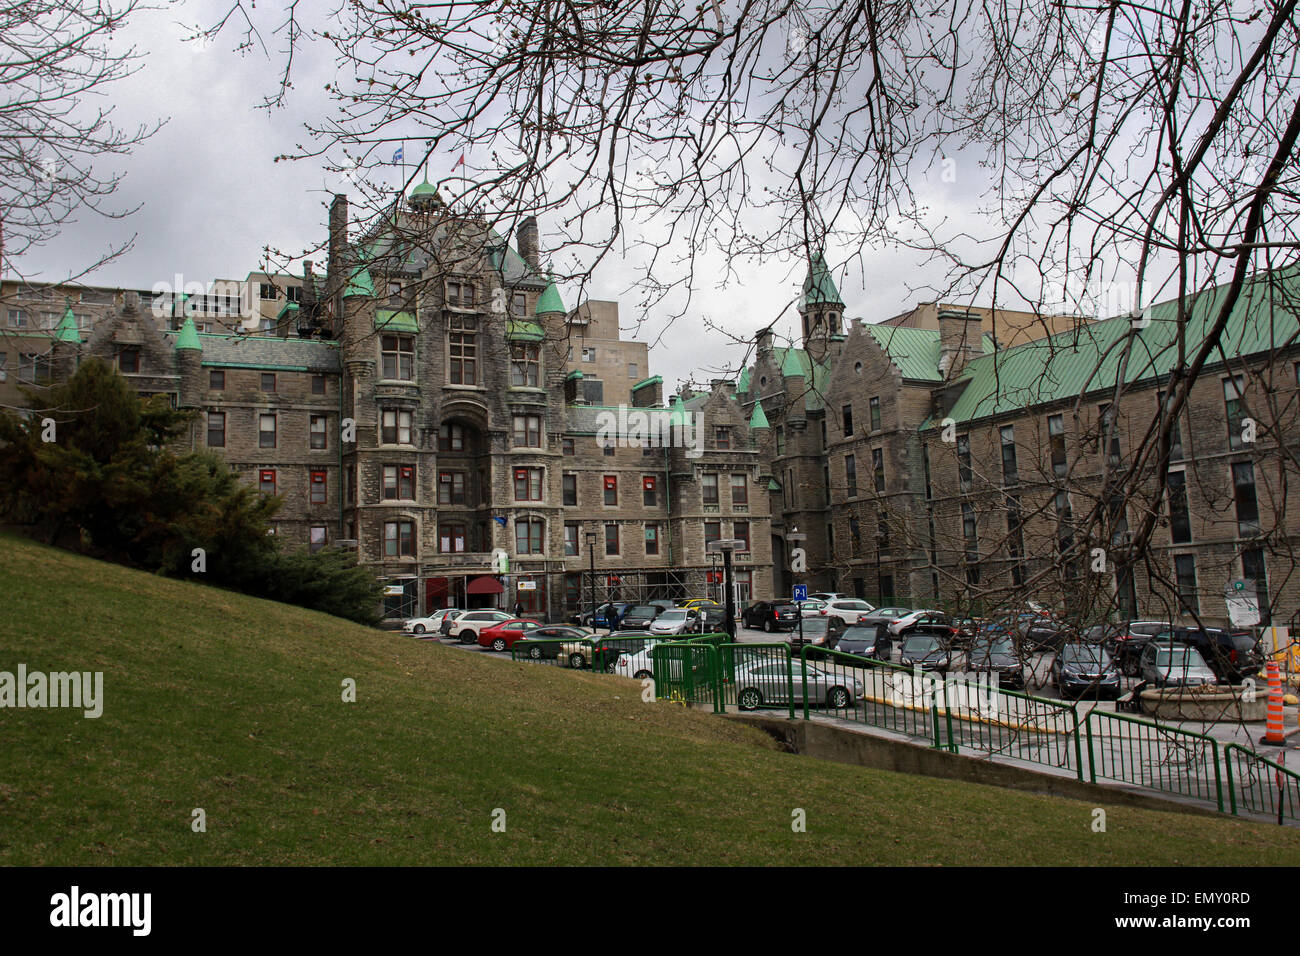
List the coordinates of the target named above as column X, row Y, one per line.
column 800, row 592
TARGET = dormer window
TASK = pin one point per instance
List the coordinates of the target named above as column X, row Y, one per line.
column 460, row 295
column 128, row 360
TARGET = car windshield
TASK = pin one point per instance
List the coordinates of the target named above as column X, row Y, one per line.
column 672, row 616
column 921, row 645
column 853, row 605
column 1002, row 645
column 642, row 609
column 855, row 633
column 1179, row 657
column 1084, row 654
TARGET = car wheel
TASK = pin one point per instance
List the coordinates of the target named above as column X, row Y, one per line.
column 499, row 644
column 467, row 637
column 642, row 675
column 838, row 698
column 749, row 699
column 577, row 661
column 535, row 653
column 419, row 629
column 767, row 626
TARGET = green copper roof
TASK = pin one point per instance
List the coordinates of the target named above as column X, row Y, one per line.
column 791, row 364
column 573, row 375
column 818, row 287
column 549, row 301
column 188, row 337
column 518, row 329
column 66, row 331
column 360, row 283
column 742, row 383
column 773, row 485
column 391, row 321
column 425, row 188
column 677, row 415
column 914, row 352
column 652, row 380
column 816, row 377
column 759, row 418
column 1089, row 359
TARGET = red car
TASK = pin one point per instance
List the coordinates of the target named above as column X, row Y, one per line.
column 502, row 637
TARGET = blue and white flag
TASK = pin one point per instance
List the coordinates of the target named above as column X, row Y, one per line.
column 397, row 156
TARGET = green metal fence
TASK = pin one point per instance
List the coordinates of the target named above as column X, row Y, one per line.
column 540, row 650
column 979, row 717
column 755, row 676
column 887, row 696
column 1153, row 755
column 687, row 673
column 1259, row 785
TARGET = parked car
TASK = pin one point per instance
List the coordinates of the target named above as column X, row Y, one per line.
column 997, row 656
column 600, row 651
column 848, row 610
column 423, row 625
column 697, row 602
column 679, row 620
column 547, row 633
column 913, row 619
column 638, row 664
column 1167, row 664
column 1232, row 655
column 466, row 626
column 639, row 616
column 885, row 615
column 813, row 631
column 712, row 620
column 448, row 619
column 1084, row 670
column 926, row 651
column 866, row 642
column 764, row 683
column 502, row 637
column 1125, row 641
column 826, row 596
column 663, row 603
column 771, row 616
column 607, row 615
column 811, row 607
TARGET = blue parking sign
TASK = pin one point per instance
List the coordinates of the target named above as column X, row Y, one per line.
column 800, row 592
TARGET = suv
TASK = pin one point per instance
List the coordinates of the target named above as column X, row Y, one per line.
column 848, row 610
column 639, row 617
column 771, row 616
column 867, row 643
column 1126, row 641
column 1232, row 655
column 1167, row 664
column 466, row 627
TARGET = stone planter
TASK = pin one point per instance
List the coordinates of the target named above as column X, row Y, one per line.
column 1209, row 705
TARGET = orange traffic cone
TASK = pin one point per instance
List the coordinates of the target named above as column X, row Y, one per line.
column 1274, row 734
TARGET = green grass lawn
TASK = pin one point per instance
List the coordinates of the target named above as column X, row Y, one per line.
column 234, row 705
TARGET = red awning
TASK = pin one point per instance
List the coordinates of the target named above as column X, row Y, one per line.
column 484, row 585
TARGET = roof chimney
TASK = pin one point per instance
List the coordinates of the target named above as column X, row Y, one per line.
column 526, row 239
column 960, row 340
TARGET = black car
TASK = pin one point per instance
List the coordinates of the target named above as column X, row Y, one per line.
column 638, row 618
column 997, row 656
column 815, row 630
column 608, row 649
column 712, row 620
column 550, row 632
column 1232, row 655
column 930, row 652
column 771, row 616
column 867, row 643
column 1125, row 641
column 1084, row 670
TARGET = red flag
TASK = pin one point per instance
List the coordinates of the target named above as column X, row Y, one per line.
column 461, row 161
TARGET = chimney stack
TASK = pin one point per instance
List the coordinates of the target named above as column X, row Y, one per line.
column 960, row 340
column 526, row 239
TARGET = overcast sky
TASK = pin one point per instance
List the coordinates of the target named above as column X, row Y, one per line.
column 212, row 197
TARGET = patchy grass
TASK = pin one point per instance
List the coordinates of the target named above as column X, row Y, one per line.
column 233, row 704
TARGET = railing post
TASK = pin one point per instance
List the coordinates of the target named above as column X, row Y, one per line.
column 1078, row 751
column 1092, row 762
column 803, row 661
column 1218, row 780
column 789, row 681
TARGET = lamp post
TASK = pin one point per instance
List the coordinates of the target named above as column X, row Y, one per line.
column 591, row 552
column 726, row 546
column 794, row 537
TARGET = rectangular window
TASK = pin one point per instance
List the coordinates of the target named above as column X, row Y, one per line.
column 519, row 303
column 216, row 429
column 528, row 484
column 17, row 319
column 460, row 294
column 451, row 537
column 652, row 539
column 739, row 490
column 216, row 379
column 712, row 532
column 451, row 487
column 396, row 428
column 525, row 362
column 1056, row 442
column 571, row 540
column 1180, row 524
column 528, row 431
column 722, row 438
column 128, row 361
column 567, row 447
column 1243, row 486
column 607, row 449
column 780, row 440
column 318, row 384
column 268, row 381
column 1185, row 578
column 451, row 438
column 1253, row 569
column 963, row 462
column 875, row 413
column 399, row 483
column 632, row 370
column 709, row 489
column 649, row 491
column 740, row 531
column 1164, row 400
column 318, row 436
column 850, row 476
column 593, row 391
column 317, row 537
column 589, row 355
column 1108, row 426
column 882, row 531
column 846, row 416
column 611, row 539
column 397, row 357
column 266, row 430
column 878, row 468
column 925, row 468
column 570, row 483
column 611, row 489
column 1010, row 474
column 855, row 536
column 266, row 481
column 319, row 486
column 1232, row 405
column 528, row 535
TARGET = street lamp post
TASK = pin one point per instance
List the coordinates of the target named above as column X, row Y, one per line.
column 796, row 538
column 726, row 546
column 591, row 552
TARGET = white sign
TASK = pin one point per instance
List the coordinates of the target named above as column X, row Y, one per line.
column 394, row 590
column 1243, row 604
column 527, row 585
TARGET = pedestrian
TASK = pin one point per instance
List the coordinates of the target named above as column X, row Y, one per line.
column 519, row 609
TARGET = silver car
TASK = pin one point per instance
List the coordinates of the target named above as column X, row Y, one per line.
column 767, row 682
column 1175, row 665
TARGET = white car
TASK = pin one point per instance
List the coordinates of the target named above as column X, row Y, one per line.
column 915, row 618
column 639, row 665
column 811, row 607
column 848, row 610
column 678, row 620
column 824, row 596
column 430, row 624
column 466, row 627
